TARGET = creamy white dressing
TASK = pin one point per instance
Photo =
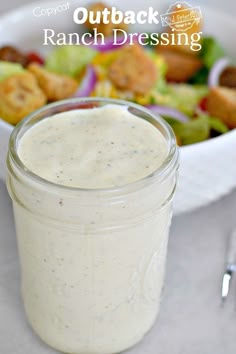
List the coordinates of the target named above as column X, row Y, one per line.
column 93, row 148
column 92, row 268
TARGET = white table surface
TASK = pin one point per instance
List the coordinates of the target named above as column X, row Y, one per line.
column 191, row 319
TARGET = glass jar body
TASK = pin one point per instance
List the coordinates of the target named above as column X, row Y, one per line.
column 92, row 262
column 87, row 288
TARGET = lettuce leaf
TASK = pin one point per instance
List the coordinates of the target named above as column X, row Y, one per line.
column 218, row 126
column 8, row 69
column 161, row 66
column 183, row 97
column 201, row 77
column 192, row 132
column 211, row 51
column 196, row 130
column 70, row 60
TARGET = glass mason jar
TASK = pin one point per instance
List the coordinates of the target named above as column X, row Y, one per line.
column 92, row 261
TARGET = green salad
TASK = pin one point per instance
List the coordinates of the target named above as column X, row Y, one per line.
column 194, row 92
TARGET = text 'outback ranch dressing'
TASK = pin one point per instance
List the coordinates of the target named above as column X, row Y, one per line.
column 92, row 191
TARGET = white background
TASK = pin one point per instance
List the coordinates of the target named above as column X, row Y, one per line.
column 191, row 319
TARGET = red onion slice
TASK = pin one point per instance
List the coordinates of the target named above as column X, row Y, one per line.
column 169, row 112
column 216, row 71
column 88, row 83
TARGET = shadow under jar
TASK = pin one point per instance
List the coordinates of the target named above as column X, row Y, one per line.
column 92, row 260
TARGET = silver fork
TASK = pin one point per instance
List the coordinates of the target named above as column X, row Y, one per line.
column 230, row 266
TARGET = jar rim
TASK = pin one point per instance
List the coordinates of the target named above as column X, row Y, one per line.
column 169, row 164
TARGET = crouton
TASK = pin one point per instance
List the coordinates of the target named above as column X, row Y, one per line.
column 180, row 66
column 19, row 96
column 221, row 103
column 133, row 70
column 228, row 77
column 55, row 86
column 106, row 29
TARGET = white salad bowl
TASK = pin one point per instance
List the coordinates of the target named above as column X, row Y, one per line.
column 207, row 169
